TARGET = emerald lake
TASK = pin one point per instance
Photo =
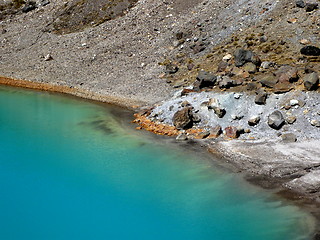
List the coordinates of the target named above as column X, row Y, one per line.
column 73, row 169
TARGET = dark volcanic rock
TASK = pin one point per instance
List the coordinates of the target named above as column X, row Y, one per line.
column 261, row 98
column 276, row 120
column 182, row 119
column 232, row 132
column 204, row 80
column 311, row 6
column 310, row 51
column 242, row 56
column 29, row 6
column 300, row 4
column 311, row 81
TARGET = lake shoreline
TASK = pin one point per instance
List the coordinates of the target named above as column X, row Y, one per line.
column 229, row 156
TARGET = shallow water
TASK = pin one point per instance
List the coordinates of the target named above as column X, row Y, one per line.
column 70, row 170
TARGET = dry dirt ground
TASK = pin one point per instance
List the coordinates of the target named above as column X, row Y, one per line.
column 117, row 57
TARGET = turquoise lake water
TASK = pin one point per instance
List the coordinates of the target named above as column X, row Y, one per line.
column 70, row 169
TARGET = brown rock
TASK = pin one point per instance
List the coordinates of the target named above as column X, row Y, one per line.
column 261, row 98
column 216, row 131
column 269, row 81
column 250, row 67
column 232, row 132
column 182, row 119
column 287, row 74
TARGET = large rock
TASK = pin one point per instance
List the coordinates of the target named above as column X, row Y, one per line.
column 289, row 137
column 182, row 119
column 287, row 74
column 300, row 4
column 311, row 6
column 205, row 80
column 310, row 51
column 276, row 120
column 227, row 82
column 261, row 98
column 270, row 80
column 242, row 56
column 311, row 81
column 232, row 132
column 250, row 67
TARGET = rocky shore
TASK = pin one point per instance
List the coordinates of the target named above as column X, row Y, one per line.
column 239, row 77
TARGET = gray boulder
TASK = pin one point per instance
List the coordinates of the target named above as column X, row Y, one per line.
column 261, row 98
column 276, row 120
column 311, row 81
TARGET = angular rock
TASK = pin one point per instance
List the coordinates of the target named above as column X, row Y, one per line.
column 266, row 65
column 289, row 137
column 205, row 80
column 227, row 82
column 222, row 66
column 311, row 6
column 212, row 103
column 276, row 120
column 250, row 67
column 182, row 119
column 220, row 112
column 254, row 121
column 294, row 102
column 269, row 81
column 232, row 132
column 311, row 81
column 287, row 74
column 310, row 51
column 29, row 6
column 216, row 131
column 242, row 56
column 261, row 98
column 282, row 87
column 300, row 4
column 291, row 119
column 315, row 123
column 251, row 86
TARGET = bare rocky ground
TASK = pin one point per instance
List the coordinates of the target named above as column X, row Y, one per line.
column 184, row 55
